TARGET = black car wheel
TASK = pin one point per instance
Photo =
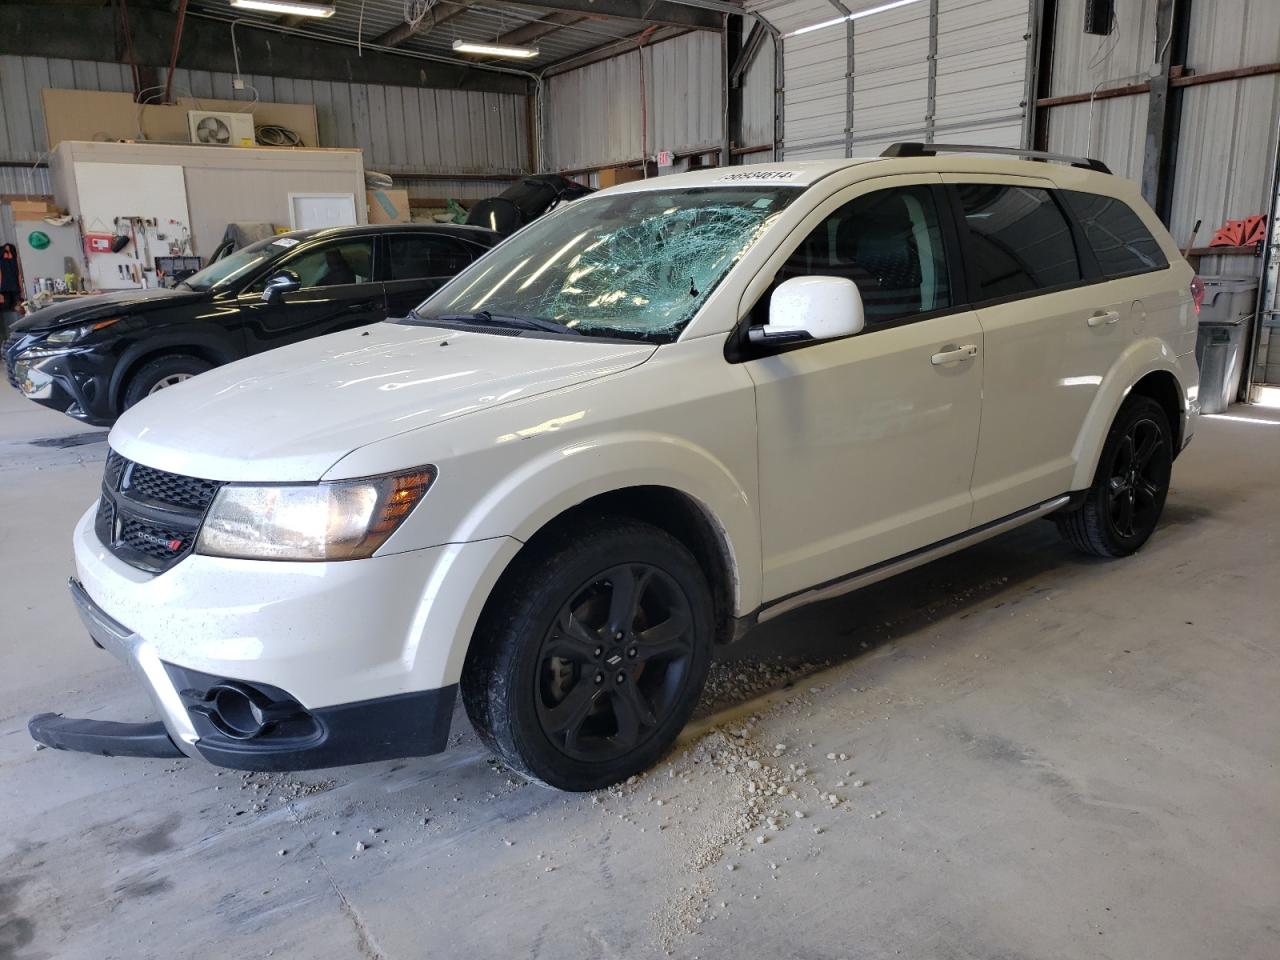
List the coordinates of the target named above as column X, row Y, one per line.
column 1124, row 504
column 161, row 373
column 591, row 655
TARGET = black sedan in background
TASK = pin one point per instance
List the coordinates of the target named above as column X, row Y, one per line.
column 93, row 358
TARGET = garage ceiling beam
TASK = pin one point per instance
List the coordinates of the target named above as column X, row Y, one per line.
column 206, row 45
column 540, row 28
column 656, row 11
column 440, row 13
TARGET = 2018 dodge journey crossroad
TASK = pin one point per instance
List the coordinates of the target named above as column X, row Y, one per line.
column 644, row 423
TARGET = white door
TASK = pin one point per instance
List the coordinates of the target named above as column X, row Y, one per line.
column 315, row 210
column 867, row 443
column 1049, row 340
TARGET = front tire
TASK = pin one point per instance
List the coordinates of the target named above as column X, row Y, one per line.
column 1122, row 508
column 161, row 373
column 591, row 655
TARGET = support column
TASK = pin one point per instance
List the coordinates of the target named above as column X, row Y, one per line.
column 1157, row 143
column 931, row 104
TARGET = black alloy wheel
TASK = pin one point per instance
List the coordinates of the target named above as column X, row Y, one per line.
column 614, row 661
column 1123, row 506
column 591, row 652
column 1138, row 479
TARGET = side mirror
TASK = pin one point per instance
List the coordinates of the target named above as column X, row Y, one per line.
column 286, row 281
column 811, row 308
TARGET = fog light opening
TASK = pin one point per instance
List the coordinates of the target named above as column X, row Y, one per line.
column 243, row 713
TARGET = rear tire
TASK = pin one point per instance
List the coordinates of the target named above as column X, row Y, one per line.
column 1122, row 508
column 590, row 655
column 162, row 372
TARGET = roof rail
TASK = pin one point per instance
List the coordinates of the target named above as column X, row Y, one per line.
column 933, row 149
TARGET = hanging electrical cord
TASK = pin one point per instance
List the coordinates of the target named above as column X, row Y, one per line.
column 1104, row 51
column 415, row 11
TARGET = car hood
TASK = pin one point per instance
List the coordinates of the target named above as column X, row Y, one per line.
column 88, row 309
column 292, row 413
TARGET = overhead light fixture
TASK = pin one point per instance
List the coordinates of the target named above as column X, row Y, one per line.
column 297, row 8
column 856, row 15
column 494, row 49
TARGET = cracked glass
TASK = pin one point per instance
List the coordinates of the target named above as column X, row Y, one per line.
column 634, row 265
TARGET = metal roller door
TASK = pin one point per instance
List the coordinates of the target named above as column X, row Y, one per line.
column 857, row 77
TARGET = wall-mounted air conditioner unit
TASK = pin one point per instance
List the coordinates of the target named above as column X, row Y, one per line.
column 227, row 129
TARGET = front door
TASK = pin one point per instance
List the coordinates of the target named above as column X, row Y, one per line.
column 867, row 443
column 338, row 291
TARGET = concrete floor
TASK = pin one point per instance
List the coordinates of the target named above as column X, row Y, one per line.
column 1057, row 758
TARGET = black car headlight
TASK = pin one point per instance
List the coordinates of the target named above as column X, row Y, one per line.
column 77, row 332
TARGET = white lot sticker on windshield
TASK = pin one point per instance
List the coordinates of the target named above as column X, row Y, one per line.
column 758, row 176
column 285, row 242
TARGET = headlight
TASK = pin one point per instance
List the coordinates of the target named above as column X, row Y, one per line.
column 343, row 520
column 72, row 334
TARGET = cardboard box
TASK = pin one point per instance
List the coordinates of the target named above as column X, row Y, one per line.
column 388, row 206
column 32, row 209
column 612, row 176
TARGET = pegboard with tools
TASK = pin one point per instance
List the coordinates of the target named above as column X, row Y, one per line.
column 126, row 255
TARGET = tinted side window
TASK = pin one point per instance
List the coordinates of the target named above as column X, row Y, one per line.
column 424, row 255
column 1019, row 239
column 1118, row 238
column 890, row 244
column 329, row 265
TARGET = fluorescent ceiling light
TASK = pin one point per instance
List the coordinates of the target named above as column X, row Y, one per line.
column 494, row 49
column 857, row 15
column 296, row 7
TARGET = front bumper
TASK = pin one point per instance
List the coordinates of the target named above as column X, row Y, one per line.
column 241, row 725
column 277, row 666
column 69, row 382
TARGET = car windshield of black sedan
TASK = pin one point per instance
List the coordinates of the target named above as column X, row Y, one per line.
column 239, row 265
column 635, row 265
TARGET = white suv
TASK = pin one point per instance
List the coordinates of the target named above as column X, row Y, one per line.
column 646, row 422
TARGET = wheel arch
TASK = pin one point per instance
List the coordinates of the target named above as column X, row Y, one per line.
column 674, row 512
column 207, row 347
column 1162, row 387
column 1146, row 368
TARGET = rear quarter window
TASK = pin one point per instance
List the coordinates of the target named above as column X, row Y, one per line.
column 1120, row 241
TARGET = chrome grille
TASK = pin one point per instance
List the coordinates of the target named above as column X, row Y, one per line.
column 149, row 518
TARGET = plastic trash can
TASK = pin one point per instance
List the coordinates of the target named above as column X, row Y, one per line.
column 1220, row 356
column 1227, row 299
column 1229, row 305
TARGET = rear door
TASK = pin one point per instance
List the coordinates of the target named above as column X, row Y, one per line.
column 338, row 291
column 418, row 264
column 1051, row 332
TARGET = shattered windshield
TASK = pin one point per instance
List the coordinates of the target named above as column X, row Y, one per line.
column 636, row 265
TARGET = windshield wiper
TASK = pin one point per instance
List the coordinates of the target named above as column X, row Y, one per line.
column 500, row 320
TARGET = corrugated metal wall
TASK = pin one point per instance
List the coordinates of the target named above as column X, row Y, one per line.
column 397, row 127
column 936, row 70
column 593, row 114
column 982, row 57
column 1226, row 144
column 816, row 81
column 1111, row 130
column 758, row 86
